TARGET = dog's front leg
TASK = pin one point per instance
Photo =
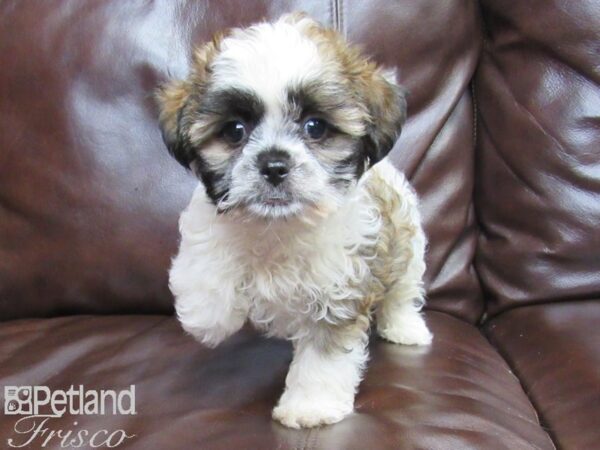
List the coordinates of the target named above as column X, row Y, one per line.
column 322, row 382
column 208, row 309
column 208, row 317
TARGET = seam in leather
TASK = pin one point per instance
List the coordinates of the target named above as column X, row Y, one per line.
column 341, row 19
column 475, row 112
column 476, row 169
column 334, row 19
column 540, row 417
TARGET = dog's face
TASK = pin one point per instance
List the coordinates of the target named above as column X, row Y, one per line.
column 277, row 119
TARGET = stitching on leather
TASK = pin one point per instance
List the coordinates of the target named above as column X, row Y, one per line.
column 476, row 166
column 475, row 113
column 334, row 19
column 473, row 207
column 341, row 19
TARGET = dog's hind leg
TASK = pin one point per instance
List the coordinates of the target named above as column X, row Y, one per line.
column 398, row 316
column 400, row 262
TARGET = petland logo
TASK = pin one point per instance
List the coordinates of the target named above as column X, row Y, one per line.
column 39, row 405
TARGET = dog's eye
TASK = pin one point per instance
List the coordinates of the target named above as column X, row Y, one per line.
column 234, row 131
column 315, row 128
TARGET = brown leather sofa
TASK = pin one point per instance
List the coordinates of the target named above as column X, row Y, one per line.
column 502, row 144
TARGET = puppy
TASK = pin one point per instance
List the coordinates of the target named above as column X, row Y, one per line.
column 294, row 226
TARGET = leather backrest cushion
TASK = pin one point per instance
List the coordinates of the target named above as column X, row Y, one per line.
column 538, row 165
column 89, row 197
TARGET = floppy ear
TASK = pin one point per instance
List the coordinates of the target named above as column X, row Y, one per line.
column 172, row 98
column 386, row 103
column 177, row 99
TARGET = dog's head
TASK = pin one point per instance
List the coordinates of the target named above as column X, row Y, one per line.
column 281, row 117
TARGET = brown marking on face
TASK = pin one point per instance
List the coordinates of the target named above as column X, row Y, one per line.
column 382, row 99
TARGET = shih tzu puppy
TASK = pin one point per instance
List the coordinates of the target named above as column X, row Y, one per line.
column 296, row 225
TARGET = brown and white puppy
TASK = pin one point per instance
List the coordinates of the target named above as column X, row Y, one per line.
column 294, row 226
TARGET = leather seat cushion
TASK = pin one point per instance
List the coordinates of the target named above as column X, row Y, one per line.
column 555, row 351
column 457, row 394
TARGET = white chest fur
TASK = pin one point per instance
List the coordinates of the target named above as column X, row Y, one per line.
column 282, row 275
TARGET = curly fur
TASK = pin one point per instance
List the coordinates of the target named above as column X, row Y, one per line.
column 311, row 258
column 315, row 285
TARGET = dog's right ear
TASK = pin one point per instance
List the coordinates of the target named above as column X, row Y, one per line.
column 172, row 98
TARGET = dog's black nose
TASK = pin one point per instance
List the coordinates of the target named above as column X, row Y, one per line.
column 274, row 165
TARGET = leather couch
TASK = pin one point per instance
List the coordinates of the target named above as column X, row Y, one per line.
column 502, row 143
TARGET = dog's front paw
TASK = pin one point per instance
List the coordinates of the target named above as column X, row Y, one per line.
column 208, row 321
column 407, row 330
column 210, row 337
column 213, row 334
column 311, row 412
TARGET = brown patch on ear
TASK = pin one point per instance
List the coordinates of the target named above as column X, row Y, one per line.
column 372, row 86
column 386, row 103
column 178, row 99
column 171, row 99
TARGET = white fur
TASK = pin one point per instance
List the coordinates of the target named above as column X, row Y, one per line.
column 320, row 388
column 286, row 275
column 293, row 277
column 265, row 58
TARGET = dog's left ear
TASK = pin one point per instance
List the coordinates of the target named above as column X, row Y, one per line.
column 386, row 103
column 177, row 96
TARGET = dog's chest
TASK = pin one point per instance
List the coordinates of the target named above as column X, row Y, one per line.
column 290, row 285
